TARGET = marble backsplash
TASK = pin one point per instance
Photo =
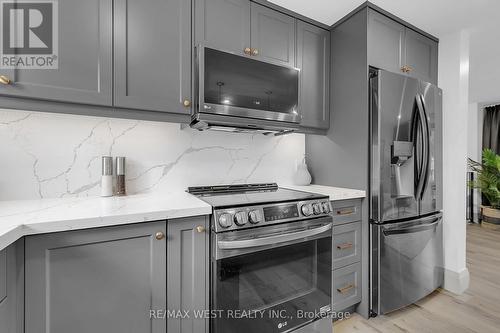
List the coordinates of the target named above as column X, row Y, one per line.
column 45, row 155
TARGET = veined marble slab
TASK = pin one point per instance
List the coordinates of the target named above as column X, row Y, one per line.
column 27, row 217
column 335, row 193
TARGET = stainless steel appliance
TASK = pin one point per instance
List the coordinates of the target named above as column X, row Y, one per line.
column 405, row 190
column 238, row 93
column 271, row 258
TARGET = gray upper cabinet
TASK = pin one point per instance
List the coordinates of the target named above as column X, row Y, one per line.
column 272, row 35
column 97, row 280
column 188, row 267
column 223, row 24
column 245, row 28
column 313, row 60
column 399, row 49
column 152, row 55
column 385, row 42
column 421, row 56
column 12, row 288
column 84, row 73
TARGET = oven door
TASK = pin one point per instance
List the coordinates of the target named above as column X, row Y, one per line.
column 238, row 86
column 271, row 279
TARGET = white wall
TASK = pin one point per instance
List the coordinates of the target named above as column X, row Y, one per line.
column 454, row 80
column 54, row 155
column 485, row 63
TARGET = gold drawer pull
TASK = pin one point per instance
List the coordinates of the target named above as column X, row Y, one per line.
column 347, row 211
column 159, row 235
column 200, row 229
column 344, row 246
column 5, row 80
column 346, row 288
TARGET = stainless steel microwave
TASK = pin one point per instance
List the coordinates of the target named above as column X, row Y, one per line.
column 236, row 91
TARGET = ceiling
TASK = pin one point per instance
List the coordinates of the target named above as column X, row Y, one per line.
column 436, row 17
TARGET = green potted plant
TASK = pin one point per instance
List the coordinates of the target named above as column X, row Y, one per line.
column 488, row 181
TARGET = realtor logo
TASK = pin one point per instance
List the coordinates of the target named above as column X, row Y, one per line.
column 29, row 36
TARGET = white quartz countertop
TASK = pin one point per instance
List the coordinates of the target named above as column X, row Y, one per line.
column 26, row 217
column 335, row 193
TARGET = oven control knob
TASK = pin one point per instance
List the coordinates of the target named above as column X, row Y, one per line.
column 307, row 209
column 254, row 216
column 326, row 207
column 240, row 218
column 317, row 208
column 225, row 220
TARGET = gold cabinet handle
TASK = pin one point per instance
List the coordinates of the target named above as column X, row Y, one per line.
column 344, row 246
column 247, row 50
column 347, row 211
column 200, row 229
column 159, row 235
column 255, row 52
column 345, row 289
column 186, row 103
column 5, row 80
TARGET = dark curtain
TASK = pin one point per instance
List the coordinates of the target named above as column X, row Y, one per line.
column 491, row 133
column 491, row 128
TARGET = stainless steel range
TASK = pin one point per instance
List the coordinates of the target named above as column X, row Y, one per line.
column 271, row 257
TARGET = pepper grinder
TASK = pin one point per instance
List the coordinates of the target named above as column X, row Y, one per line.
column 120, row 176
column 107, row 176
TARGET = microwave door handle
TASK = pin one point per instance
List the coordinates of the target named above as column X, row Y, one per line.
column 270, row 240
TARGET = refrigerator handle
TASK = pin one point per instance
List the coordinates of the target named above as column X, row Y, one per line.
column 422, row 161
column 415, row 133
column 426, row 143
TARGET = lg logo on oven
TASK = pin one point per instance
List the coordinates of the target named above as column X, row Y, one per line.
column 29, row 36
column 282, row 325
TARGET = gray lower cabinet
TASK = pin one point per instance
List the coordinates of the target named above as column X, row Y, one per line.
column 223, row 24
column 397, row 48
column 187, row 273
column 313, row 59
column 346, row 287
column 152, row 55
column 97, row 280
column 347, row 258
column 272, row 35
column 84, row 73
column 12, row 288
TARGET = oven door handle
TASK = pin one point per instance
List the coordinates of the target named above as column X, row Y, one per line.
column 263, row 241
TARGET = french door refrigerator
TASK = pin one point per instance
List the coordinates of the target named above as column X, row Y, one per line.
column 405, row 190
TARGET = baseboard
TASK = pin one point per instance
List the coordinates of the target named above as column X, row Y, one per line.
column 456, row 282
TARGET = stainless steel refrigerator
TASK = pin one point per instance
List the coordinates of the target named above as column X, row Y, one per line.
column 405, row 190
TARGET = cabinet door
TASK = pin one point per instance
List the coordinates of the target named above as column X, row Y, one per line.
column 12, row 288
column 153, row 55
column 385, row 42
column 187, row 281
column 96, row 280
column 313, row 59
column 421, row 56
column 223, row 24
column 84, row 73
column 273, row 35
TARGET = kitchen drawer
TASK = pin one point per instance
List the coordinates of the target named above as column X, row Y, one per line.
column 346, row 244
column 345, row 211
column 346, row 287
